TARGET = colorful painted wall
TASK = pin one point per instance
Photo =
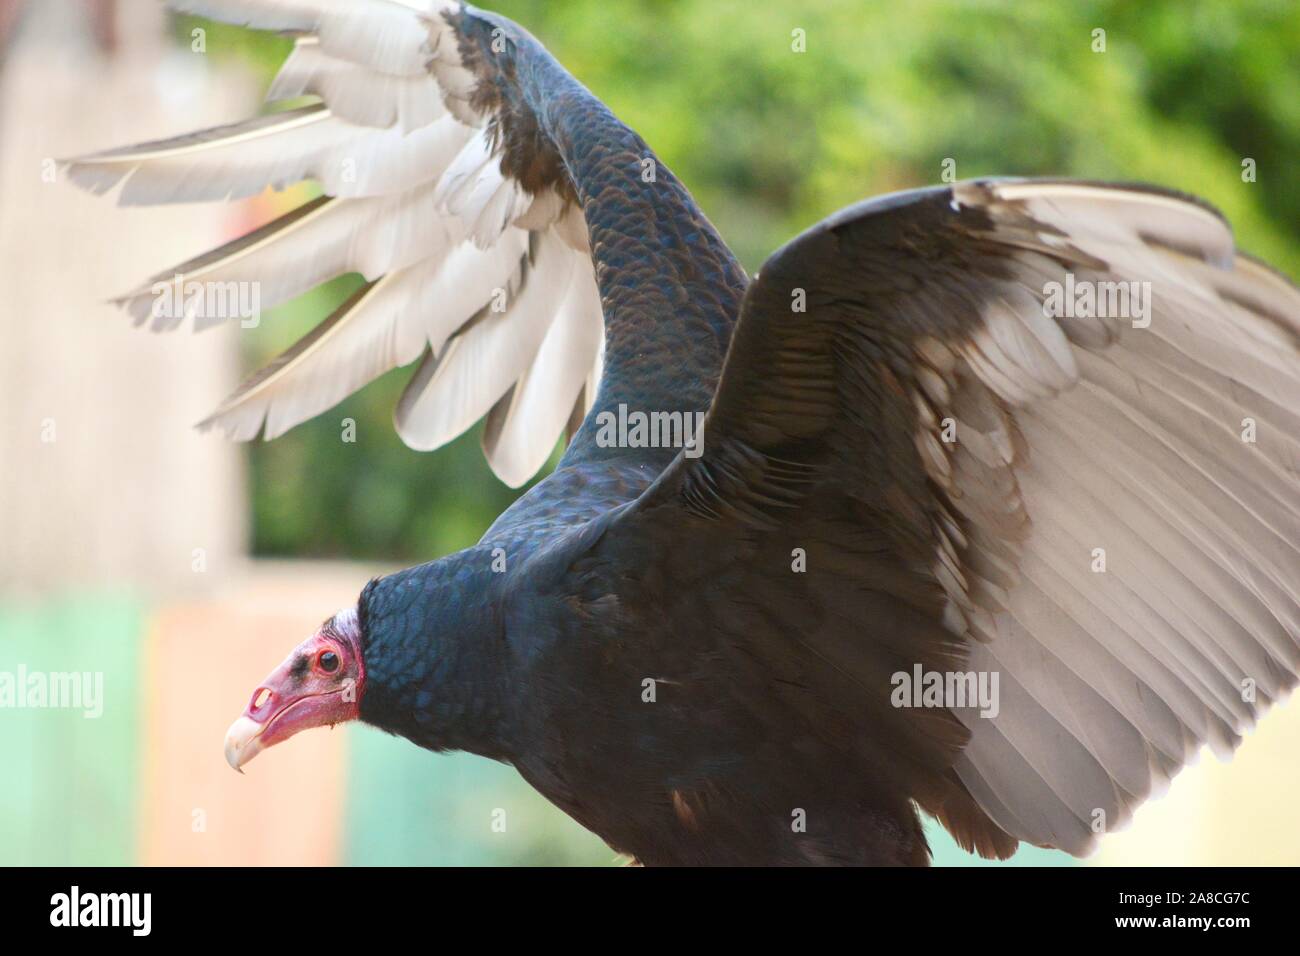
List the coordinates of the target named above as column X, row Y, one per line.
column 146, row 782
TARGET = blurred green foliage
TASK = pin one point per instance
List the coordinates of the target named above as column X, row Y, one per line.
column 771, row 140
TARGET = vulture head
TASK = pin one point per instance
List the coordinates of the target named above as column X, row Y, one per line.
column 416, row 656
column 319, row 684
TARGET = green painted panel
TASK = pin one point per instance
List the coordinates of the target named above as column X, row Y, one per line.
column 407, row 807
column 946, row 852
column 69, row 786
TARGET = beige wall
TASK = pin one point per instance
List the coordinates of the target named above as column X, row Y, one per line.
column 126, row 490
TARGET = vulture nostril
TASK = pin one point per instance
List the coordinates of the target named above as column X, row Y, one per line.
column 261, row 697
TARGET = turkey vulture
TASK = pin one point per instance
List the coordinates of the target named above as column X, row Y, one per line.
column 994, row 513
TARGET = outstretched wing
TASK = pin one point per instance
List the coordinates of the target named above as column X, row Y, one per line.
column 486, row 274
column 986, row 470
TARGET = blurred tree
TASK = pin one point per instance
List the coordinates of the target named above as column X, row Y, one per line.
column 771, row 140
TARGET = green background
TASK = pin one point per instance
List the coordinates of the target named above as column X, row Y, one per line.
column 770, row 141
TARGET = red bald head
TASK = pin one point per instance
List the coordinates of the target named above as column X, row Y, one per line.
column 320, row 683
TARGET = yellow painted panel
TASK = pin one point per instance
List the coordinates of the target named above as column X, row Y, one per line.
column 1238, row 813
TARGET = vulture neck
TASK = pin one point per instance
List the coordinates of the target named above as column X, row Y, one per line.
column 435, row 656
column 660, row 264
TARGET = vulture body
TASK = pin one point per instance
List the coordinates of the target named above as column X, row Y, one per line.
column 918, row 458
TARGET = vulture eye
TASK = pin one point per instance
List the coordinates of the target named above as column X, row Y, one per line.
column 328, row 661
